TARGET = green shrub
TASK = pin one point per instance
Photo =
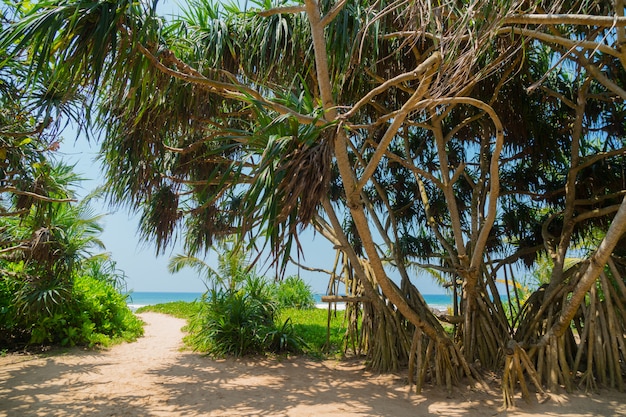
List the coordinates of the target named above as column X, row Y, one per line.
column 10, row 332
column 93, row 313
column 102, row 304
column 284, row 339
column 241, row 322
column 294, row 331
column 293, row 292
column 230, row 323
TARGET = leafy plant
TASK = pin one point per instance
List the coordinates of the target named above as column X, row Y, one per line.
column 284, row 339
column 309, row 329
column 243, row 321
column 92, row 313
column 225, row 324
column 293, row 292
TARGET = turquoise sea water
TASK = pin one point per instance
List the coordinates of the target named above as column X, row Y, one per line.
column 141, row 298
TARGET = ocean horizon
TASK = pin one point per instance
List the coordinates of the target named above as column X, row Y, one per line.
column 137, row 299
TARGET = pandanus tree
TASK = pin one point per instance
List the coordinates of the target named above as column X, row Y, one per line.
column 39, row 231
column 461, row 137
column 574, row 192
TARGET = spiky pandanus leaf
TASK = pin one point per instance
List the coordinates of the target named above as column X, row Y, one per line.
column 161, row 217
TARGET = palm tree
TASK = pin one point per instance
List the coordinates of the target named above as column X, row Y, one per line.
column 233, row 266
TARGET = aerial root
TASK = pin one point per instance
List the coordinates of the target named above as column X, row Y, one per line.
column 517, row 363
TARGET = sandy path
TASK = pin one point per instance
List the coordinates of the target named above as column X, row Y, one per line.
column 151, row 377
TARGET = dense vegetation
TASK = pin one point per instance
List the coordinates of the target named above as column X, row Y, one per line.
column 92, row 313
column 322, row 337
column 468, row 139
column 53, row 290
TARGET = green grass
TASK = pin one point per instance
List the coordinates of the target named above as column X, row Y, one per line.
column 179, row 309
column 309, row 324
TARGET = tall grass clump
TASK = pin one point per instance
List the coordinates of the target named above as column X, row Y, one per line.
column 243, row 321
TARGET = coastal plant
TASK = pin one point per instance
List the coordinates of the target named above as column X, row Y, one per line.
column 293, row 292
column 54, row 290
column 95, row 314
column 243, row 321
column 284, row 338
column 230, row 323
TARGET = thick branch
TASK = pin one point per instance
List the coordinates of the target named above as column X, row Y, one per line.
column 349, row 183
column 494, row 175
column 595, row 213
column 332, row 13
column 431, row 64
column 420, row 70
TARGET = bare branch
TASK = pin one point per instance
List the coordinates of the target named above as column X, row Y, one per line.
column 558, row 40
column 281, row 10
column 566, row 19
column 12, row 248
column 392, row 156
column 14, row 213
column 308, row 268
column 494, row 175
column 430, row 66
column 420, row 70
column 599, row 199
column 590, row 160
column 602, row 79
column 589, row 275
column 37, row 196
column 332, row 13
column 596, row 213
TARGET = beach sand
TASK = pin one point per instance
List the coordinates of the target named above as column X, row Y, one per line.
column 152, row 377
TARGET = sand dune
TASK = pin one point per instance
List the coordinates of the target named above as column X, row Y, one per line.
column 152, row 377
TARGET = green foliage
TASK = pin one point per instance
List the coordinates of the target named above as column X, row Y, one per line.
column 106, row 308
column 230, row 323
column 237, row 316
column 284, row 339
column 293, row 292
column 179, row 309
column 242, row 321
column 94, row 313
